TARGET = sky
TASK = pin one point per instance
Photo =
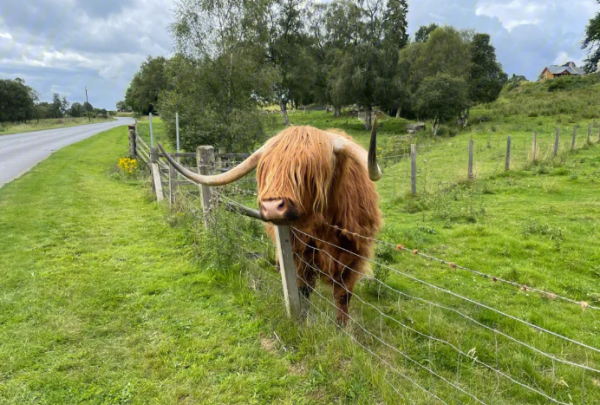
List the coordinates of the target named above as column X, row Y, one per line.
column 63, row 46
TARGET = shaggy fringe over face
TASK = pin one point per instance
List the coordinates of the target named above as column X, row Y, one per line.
column 298, row 164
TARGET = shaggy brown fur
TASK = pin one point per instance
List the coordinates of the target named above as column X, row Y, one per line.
column 328, row 189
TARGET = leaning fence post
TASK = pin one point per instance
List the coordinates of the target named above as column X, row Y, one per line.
column 156, row 174
column 507, row 163
column 556, row 141
column 574, row 136
column 172, row 184
column 413, row 169
column 132, row 145
column 205, row 157
column 471, row 159
column 534, row 146
column 287, row 269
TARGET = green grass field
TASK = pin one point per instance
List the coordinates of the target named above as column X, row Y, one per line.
column 102, row 302
column 50, row 123
column 108, row 298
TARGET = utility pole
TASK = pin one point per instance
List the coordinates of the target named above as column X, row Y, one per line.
column 87, row 101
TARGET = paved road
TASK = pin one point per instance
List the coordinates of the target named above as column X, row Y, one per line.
column 20, row 152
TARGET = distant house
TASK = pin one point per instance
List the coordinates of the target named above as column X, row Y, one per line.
column 568, row 69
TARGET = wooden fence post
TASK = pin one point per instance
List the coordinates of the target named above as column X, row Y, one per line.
column 507, row 163
column 599, row 134
column 156, row 174
column 132, row 144
column 589, row 138
column 574, row 136
column 413, row 169
column 471, row 159
column 219, row 160
column 556, row 141
column 205, row 157
column 288, row 272
column 534, row 147
column 172, row 185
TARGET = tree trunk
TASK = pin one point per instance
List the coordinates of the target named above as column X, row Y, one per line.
column 435, row 126
column 327, row 109
column 398, row 111
column 368, row 117
column 337, row 111
column 284, row 114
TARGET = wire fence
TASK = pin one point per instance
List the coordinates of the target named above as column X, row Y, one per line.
column 429, row 343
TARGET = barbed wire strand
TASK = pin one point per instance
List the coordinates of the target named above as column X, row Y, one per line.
column 373, row 353
column 393, row 348
column 558, row 335
column 465, row 316
column 431, row 337
column 583, row 304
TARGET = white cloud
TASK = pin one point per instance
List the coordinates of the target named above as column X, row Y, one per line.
column 513, row 13
column 95, row 44
column 527, row 34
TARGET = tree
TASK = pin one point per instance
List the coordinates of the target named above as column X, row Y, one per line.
column 375, row 31
column 122, row 107
column 592, row 44
column 280, row 26
column 88, row 107
column 486, row 77
column 219, row 77
column 76, row 110
column 442, row 97
column 143, row 93
column 16, row 101
column 64, row 106
column 422, row 34
column 407, row 77
column 56, row 106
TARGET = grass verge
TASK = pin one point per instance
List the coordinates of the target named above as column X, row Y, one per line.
column 102, row 302
column 51, row 123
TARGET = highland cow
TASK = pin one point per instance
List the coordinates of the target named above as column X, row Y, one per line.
column 321, row 183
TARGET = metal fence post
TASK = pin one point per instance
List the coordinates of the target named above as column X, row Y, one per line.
column 507, row 163
column 413, row 169
column 205, row 157
column 556, row 142
column 471, row 159
column 288, row 272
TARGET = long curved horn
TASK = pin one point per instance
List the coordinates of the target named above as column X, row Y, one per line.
column 219, row 179
column 341, row 143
